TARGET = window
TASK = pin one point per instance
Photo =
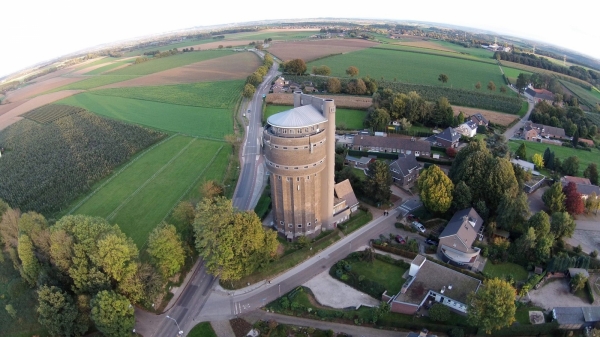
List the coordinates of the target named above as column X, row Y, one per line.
column 316, row 220
column 295, row 168
column 297, row 178
column 308, row 224
column 278, row 177
column 300, row 226
column 290, row 225
column 285, row 147
column 289, row 179
column 281, row 222
column 276, row 146
column 277, row 166
column 307, row 177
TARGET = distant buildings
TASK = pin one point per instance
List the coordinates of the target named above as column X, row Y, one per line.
column 404, row 145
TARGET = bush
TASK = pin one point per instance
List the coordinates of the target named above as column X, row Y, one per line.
column 456, row 332
column 439, row 312
column 594, row 254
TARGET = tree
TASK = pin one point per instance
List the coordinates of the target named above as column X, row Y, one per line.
column 232, row 244
column 592, row 203
column 554, row 198
column 112, row 314
column 570, row 166
column 58, row 313
column 443, row 78
column 513, row 212
column 573, row 201
column 493, row 306
column 166, row 249
column 322, row 70
column 255, row 79
column 547, row 157
column 461, row 196
column 591, row 172
column 378, row 119
column 435, row 189
column 439, row 312
column 249, row 90
column 491, row 86
column 11, row 311
column 578, row 282
column 404, row 124
column 379, row 180
column 478, row 85
column 30, row 266
column 356, row 87
column 184, row 213
column 334, row 85
column 503, row 89
column 211, row 189
column 522, row 82
column 442, row 115
column 352, row 71
column 117, row 256
column 562, row 225
column 522, row 151
column 294, row 67
column 538, row 161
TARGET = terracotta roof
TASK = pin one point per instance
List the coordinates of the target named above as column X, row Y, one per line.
column 545, row 129
column 343, row 190
column 392, row 143
column 298, row 117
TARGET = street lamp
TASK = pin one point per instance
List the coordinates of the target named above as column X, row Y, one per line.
column 180, row 331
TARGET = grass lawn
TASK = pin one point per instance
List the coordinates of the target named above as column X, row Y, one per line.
column 142, row 194
column 562, row 152
column 477, row 52
column 95, row 62
column 219, row 94
column 501, row 270
column 524, row 108
column 183, row 44
column 169, row 62
column 94, row 82
column 203, row 329
column 423, row 50
column 195, row 121
column 357, row 220
column 414, row 67
column 388, row 275
column 349, row 119
column 108, row 67
column 522, row 314
column 514, row 72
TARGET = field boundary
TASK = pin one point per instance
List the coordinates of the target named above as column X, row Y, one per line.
column 194, row 182
column 114, row 213
column 118, row 172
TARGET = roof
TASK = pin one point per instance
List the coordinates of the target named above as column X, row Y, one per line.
column 545, row 129
column 361, row 160
column 393, row 143
column 575, row 271
column 449, row 134
column 479, row 117
column 527, row 166
column 405, row 164
column 432, row 276
column 584, row 189
column 540, row 93
column 576, row 180
column 465, row 224
column 470, row 124
column 299, row 117
column 343, row 190
column 576, row 315
column 587, row 141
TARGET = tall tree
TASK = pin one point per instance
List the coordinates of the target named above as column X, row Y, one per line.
column 570, row 166
column 166, row 249
column 58, row 313
column 211, row 189
column 461, row 196
column 352, row 71
column 573, row 201
column 294, row 67
column 30, row 266
column 591, row 172
column 378, row 119
column 435, row 189
column 478, row 85
column 592, row 203
column 522, row 151
column 522, row 82
column 443, row 78
column 547, row 155
column 562, row 225
column 379, row 180
column 112, row 314
column 538, row 161
column 232, row 244
column 443, row 114
column 334, row 85
column 491, row 86
column 493, row 306
column 554, row 198
column 513, row 212
column 249, row 90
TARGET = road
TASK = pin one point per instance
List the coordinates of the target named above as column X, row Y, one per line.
column 510, row 132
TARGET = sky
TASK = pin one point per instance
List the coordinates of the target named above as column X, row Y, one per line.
column 39, row 30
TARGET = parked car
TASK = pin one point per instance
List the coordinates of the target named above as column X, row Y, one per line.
column 400, row 240
column 431, row 242
column 419, row 226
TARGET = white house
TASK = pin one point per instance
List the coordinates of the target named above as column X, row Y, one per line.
column 468, row 129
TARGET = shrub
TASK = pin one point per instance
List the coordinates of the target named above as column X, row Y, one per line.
column 439, row 312
column 594, row 254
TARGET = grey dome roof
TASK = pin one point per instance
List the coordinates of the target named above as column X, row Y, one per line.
column 298, row 117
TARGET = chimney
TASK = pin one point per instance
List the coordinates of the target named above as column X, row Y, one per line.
column 443, row 289
column 450, row 287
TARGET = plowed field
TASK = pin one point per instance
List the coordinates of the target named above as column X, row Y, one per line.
column 310, row 50
column 492, row 116
column 39, row 87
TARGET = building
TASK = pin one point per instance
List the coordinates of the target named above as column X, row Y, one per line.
column 456, row 241
column 392, row 144
column 299, row 147
column 538, row 95
column 405, row 170
column 359, row 163
column 535, row 132
column 467, row 129
column 429, row 282
column 574, row 318
column 447, row 138
column 479, row 119
column 584, row 186
column 525, row 165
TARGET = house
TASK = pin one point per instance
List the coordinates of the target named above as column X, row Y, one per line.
column 479, row 119
column 456, row 241
column 574, row 318
column 405, row 170
column 584, row 186
column 392, row 144
column 538, row 95
column 345, row 202
column 534, row 132
column 360, row 163
column 588, row 142
column 525, row 165
column 308, row 89
column 429, row 282
column 447, row 138
column 467, row 129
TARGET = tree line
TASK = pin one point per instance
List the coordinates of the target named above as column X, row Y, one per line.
column 571, row 118
column 256, row 78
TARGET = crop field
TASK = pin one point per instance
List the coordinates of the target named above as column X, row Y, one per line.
column 141, row 194
column 220, row 95
column 413, row 68
column 425, row 44
column 50, row 113
column 46, row 166
column 477, row 52
column 585, row 157
column 313, row 49
column 169, row 62
column 430, row 51
column 344, row 118
column 587, row 97
column 94, row 82
column 194, row 121
column 109, row 67
column 593, row 117
column 182, row 44
column 93, row 63
column 492, row 116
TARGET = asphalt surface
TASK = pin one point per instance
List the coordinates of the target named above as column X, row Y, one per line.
column 509, row 133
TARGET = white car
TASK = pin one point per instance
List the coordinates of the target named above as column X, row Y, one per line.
column 419, row 226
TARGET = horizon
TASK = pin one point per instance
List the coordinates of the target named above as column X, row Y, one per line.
column 126, row 22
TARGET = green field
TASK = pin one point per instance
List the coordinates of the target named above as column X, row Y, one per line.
column 164, row 63
column 501, row 270
column 142, row 193
column 182, row 44
column 562, row 152
column 422, row 50
column 93, row 82
column 514, row 72
column 93, row 63
column 108, row 67
column 344, row 118
column 477, row 52
column 411, row 67
column 195, row 121
column 587, row 97
column 221, row 94
column 203, row 329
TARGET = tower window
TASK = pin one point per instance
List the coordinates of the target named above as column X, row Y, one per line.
column 281, row 223
column 285, row 147
column 278, row 177
column 290, row 225
column 300, row 226
column 307, row 177
column 298, row 179
column 308, row 224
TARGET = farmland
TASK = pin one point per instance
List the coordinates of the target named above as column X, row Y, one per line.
column 313, row 49
column 431, row 51
column 48, row 165
column 141, row 194
column 588, row 97
column 275, row 34
column 345, row 118
column 543, row 71
column 561, row 152
column 492, row 116
column 94, row 81
column 513, row 73
column 174, row 61
column 109, row 67
column 413, row 67
column 190, row 120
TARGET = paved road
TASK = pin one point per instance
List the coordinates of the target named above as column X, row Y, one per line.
column 511, row 131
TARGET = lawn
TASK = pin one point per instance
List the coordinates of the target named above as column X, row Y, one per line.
column 93, row 63
column 195, row 121
column 141, row 194
column 477, row 52
column 349, row 119
column 562, row 152
column 203, row 329
column 514, row 72
column 388, row 275
column 93, row 82
column 522, row 314
column 501, row 270
column 587, row 97
column 169, row 62
column 220, row 94
column 414, row 67
column 356, row 221
column 108, row 67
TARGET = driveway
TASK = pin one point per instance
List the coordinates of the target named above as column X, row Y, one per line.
column 535, row 200
column 556, row 293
